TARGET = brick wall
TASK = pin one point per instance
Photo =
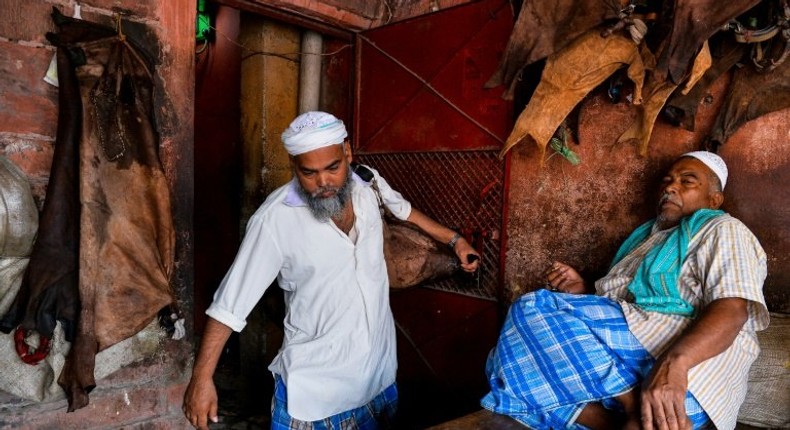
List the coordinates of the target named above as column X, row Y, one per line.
column 147, row 394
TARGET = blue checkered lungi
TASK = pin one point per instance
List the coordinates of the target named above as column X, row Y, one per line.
column 557, row 352
column 376, row 414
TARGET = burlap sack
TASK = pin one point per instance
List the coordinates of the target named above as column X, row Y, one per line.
column 39, row 382
column 18, row 227
column 767, row 401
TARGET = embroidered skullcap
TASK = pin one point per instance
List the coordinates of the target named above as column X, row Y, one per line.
column 312, row 130
column 714, row 163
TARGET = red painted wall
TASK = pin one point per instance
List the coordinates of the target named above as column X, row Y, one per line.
column 218, row 169
column 581, row 214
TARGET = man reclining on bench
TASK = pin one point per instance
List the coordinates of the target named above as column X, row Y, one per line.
column 667, row 339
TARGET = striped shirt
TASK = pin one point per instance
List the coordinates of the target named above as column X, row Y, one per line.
column 724, row 259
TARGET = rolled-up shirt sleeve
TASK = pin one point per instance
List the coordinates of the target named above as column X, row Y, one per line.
column 735, row 267
column 393, row 200
column 256, row 266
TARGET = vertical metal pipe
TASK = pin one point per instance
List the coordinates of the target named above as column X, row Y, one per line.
column 310, row 71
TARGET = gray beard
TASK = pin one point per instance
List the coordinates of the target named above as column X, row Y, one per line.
column 325, row 208
column 662, row 220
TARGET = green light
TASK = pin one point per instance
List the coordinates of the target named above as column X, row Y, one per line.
column 203, row 23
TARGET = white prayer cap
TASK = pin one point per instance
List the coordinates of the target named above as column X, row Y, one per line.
column 312, row 130
column 714, row 163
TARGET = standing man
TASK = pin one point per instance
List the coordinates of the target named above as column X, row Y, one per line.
column 321, row 237
column 668, row 339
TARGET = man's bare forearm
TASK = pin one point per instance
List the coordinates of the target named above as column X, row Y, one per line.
column 437, row 231
column 214, row 337
column 711, row 334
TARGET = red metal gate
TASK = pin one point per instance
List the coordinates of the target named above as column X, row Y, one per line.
column 423, row 119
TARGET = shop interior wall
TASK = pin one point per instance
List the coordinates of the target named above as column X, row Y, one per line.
column 150, row 391
column 581, row 214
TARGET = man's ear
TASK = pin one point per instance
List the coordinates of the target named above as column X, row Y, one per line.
column 347, row 151
column 716, row 199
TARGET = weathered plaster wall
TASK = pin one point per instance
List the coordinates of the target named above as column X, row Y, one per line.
column 581, row 214
column 149, row 391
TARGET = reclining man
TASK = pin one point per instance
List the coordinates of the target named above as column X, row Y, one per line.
column 667, row 339
column 321, row 237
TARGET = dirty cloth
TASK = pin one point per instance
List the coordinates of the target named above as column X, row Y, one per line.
column 568, row 77
column 656, row 94
column 339, row 348
column 723, row 260
column 110, row 233
column 543, row 28
column 376, row 414
column 557, row 352
column 751, row 95
column 693, row 22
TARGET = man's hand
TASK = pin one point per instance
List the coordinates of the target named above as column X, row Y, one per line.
column 664, row 390
column 464, row 251
column 200, row 399
column 200, row 402
column 563, row 278
column 663, row 396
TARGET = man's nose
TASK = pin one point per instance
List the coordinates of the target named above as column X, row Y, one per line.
column 671, row 187
column 322, row 179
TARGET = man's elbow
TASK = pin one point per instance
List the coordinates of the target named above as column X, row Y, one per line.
column 735, row 308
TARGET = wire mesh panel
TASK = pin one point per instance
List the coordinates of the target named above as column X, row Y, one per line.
column 462, row 190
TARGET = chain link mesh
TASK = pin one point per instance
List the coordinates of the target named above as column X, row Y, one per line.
column 461, row 190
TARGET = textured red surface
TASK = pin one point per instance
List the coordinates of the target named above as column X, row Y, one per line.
column 421, row 81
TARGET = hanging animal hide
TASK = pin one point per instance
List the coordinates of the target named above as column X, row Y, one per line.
column 568, row 77
column 50, row 291
column 125, row 237
column 751, row 95
column 681, row 109
column 656, row 94
column 412, row 257
column 693, row 22
column 543, row 28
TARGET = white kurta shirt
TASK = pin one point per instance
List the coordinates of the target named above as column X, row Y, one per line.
column 724, row 259
column 339, row 346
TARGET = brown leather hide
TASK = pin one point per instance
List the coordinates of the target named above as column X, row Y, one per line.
column 543, row 28
column 751, row 95
column 125, row 242
column 693, row 22
column 568, row 77
column 49, row 290
column 412, row 257
column 681, row 109
column 655, row 96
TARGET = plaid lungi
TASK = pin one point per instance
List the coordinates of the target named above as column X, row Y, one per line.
column 557, row 352
column 376, row 414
